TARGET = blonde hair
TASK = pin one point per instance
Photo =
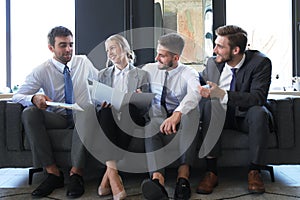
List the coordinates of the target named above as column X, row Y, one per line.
column 124, row 46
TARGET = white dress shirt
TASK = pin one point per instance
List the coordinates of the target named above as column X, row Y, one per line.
column 226, row 77
column 48, row 79
column 120, row 80
column 183, row 82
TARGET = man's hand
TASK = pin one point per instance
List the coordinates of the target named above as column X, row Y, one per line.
column 204, row 91
column 168, row 127
column 213, row 92
column 39, row 100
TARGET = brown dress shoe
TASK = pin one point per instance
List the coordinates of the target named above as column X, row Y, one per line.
column 255, row 182
column 209, row 182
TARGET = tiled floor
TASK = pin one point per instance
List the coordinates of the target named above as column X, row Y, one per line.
column 13, row 177
column 18, row 177
column 289, row 175
column 233, row 178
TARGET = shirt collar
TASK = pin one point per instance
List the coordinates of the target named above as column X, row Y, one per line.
column 117, row 70
column 61, row 66
column 175, row 70
column 238, row 65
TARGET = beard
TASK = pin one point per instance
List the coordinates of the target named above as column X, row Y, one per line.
column 223, row 59
column 64, row 58
column 168, row 65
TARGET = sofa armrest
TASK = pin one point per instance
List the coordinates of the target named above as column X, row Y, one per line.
column 297, row 120
column 2, row 125
column 14, row 127
column 283, row 113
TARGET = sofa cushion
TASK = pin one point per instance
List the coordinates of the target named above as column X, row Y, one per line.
column 232, row 139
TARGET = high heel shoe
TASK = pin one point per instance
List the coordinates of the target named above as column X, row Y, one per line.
column 103, row 190
column 121, row 195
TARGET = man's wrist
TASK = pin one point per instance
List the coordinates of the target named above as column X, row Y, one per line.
column 177, row 113
column 222, row 94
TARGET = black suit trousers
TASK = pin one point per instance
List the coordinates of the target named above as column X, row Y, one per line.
column 255, row 123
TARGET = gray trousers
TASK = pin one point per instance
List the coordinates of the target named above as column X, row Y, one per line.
column 36, row 122
column 163, row 150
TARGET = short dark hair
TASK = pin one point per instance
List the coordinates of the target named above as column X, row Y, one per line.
column 58, row 31
column 173, row 42
column 236, row 35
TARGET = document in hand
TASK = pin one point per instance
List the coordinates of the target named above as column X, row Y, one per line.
column 74, row 106
column 101, row 92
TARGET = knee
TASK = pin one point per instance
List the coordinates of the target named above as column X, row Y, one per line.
column 29, row 113
column 257, row 114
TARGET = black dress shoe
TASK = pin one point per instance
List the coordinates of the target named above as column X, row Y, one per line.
column 153, row 190
column 75, row 187
column 182, row 190
column 51, row 183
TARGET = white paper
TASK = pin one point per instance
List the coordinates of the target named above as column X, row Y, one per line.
column 74, row 106
column 102, row 93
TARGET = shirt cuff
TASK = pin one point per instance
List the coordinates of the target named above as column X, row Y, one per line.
column 225, row 98
column 28, row 100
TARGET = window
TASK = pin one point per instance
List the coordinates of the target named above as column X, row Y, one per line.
column 193, row 20
column 2, row 47
column 31, row 20
column 269, row 28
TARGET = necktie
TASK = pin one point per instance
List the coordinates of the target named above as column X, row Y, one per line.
column 68, row 93
column 233, row 80
column 230, row 119
column 164, row 92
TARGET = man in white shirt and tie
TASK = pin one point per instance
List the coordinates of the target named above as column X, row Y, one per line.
column 172, row 116
column 37, row 117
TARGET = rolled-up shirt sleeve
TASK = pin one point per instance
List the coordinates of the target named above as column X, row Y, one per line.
column 192, row 97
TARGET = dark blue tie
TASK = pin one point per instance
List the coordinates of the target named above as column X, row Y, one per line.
column 230, row 119
column 68, row 93
column 233, row 80
column 164, row 93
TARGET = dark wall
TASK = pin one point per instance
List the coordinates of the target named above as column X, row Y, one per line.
column 95, row 20
column 143, row 16
column 219, row 13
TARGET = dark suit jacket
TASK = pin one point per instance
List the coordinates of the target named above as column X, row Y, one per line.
column 252, row 83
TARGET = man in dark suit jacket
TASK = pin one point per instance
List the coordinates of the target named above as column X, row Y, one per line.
column 238, row 82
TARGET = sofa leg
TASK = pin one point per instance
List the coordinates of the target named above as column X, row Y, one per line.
column 270, row 170
column 31, row 172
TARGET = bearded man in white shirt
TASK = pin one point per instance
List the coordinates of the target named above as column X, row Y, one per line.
column 173, row 115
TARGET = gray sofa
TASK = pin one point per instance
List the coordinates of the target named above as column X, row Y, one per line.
column 283, row 147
